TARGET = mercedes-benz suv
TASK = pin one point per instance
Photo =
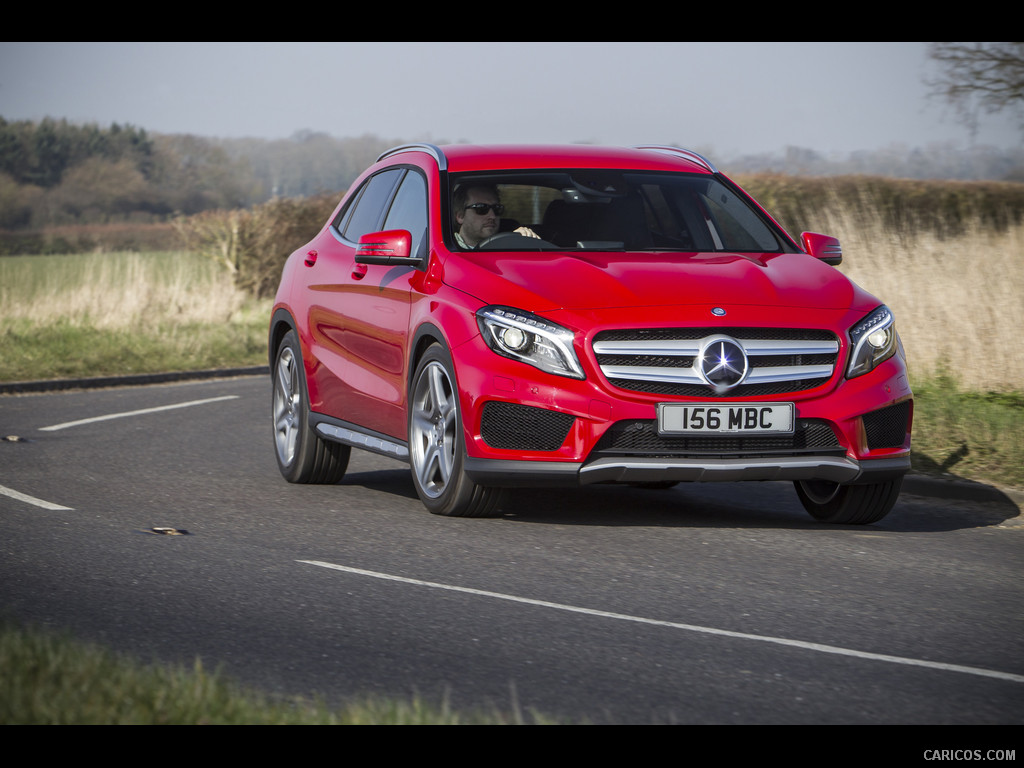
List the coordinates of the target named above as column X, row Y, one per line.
column 559, row 316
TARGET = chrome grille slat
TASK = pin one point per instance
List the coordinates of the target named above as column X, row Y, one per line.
column 647, row 373
column 789, row 373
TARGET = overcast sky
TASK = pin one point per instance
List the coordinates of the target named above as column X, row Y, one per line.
column 725, row 98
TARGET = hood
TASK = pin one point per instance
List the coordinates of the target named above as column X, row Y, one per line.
column 542, row 282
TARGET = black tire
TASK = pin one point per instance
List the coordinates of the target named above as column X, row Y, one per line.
column 302, row 455
column 848, row 504
column 437, row 450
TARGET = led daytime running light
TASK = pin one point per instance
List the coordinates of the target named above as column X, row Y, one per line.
column 523, row 336
column 872, row 341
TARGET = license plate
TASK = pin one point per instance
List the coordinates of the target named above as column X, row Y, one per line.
column 725, row 419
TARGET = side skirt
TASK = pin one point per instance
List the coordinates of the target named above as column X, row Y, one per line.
column 357, row 437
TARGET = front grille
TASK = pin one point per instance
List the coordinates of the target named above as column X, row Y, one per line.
column 665, row 361
column 639, row 437
column 523, row 427
column 887, row 427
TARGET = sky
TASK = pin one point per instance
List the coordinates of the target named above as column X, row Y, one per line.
column 727, row 98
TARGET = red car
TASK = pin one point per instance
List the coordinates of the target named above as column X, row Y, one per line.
column 561, row 316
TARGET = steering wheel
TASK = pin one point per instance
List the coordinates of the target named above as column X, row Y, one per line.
column 526, row 243
column 497, row 237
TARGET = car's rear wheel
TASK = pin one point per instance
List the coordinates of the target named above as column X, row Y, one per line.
column 848, row 504
column 437, row 449
column 302, row 455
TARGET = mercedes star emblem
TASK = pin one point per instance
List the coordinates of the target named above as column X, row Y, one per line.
column 722, row 363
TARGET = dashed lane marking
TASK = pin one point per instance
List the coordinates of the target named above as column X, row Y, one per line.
column 32, row 500
column 139, row 412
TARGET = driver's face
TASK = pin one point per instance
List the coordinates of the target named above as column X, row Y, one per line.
column 474, row 226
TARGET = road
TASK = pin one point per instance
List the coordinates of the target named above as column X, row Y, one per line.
column 700, row 604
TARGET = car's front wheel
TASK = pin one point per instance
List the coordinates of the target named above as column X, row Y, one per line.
column 302, row 455
column 437, row 448
column 848, row 504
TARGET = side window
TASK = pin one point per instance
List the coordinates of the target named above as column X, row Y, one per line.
column 409, row 211
column 367, row 207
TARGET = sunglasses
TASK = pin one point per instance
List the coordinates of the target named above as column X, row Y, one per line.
column 483, row 208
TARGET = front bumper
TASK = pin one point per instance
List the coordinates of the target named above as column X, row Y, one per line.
column 510, row 473
column 524, row 429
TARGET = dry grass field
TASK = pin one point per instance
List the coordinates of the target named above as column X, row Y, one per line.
column 116, row 290
column 114, row 313
column 959, row 302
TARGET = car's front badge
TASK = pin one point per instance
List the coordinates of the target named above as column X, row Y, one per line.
column 718, row 312
column 722, row 363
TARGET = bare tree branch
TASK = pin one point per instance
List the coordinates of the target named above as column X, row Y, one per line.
column 979, row 77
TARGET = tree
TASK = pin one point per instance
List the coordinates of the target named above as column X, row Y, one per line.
column 96, row 189
column 979, row 77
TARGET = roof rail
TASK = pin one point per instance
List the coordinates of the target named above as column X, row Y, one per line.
column 685, row 153
column 430, row 149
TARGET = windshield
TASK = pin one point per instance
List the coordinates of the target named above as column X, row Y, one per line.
column 606, row 210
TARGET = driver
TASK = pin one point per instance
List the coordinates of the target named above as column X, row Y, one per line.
column 478, row 215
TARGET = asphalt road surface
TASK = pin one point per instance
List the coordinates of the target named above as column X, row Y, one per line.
column 705, row 603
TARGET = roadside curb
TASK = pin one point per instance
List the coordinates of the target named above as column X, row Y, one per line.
column 913, row 483
column 102, row 382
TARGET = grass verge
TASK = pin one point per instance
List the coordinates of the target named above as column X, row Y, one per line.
column 50, row 679
column 63, row 350
column 975, row 435
column 87, row 315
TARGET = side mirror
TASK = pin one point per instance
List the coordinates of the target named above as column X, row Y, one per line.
column 391, row 247
column 823, row 247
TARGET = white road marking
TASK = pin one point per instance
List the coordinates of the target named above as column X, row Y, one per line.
column 33, row 500
column 55, row 427
column 688, row 627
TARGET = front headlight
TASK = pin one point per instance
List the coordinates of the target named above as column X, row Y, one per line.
column 528, row 338
column 872, row 340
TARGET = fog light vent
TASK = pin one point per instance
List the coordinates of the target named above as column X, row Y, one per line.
column 523, row 427
column 887, row 427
